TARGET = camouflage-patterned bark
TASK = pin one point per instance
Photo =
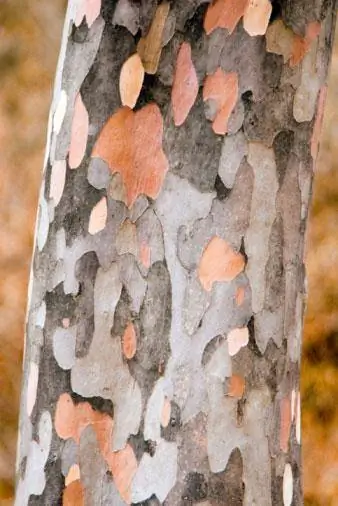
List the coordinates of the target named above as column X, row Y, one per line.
column 167, row 288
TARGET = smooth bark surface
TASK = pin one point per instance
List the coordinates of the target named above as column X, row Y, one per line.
column 167, row 289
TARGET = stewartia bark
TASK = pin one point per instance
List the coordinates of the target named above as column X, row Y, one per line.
column 167, row 289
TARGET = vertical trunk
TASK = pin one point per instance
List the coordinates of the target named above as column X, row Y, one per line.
column 167, row 288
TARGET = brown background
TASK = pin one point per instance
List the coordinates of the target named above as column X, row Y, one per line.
column 30, row 34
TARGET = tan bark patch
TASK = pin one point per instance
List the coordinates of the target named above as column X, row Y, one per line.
column 149, row 48
column 129, row 341
column 185, row 85
column 57, row 181
column 236, row 386
column 79, row 133
column 131, row 80
column 219, row 262
column 224, row 14
column 166, row 413
column 285, row 423
column 98, row 217
column 131, row 144
column 318, row 122
column 126, row 240
column 145, row 254
column 73, row 495
column 222, row 88
column 240, row 295
column 73, row 474
column 256, row 17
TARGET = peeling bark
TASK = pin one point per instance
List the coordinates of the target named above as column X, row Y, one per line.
column 167, row 287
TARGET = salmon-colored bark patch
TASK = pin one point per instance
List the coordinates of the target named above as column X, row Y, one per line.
column 89, row 9
column 145, row 254
column 224, row 14
column 129, row 341
column 166, row 413
column 185, row 85
column 150, row 47
column 219, row 262
column 123, row 465
column 98, row 217
column 239, row 295
column 302, row 45
column 222, row 88
column 73, row 474
column 237, row 339
column 73, row 495
column 131, row 80
column 285, row 423
column 131, row 144
column 71, row 420
column 79, row 133
column 256, row 17
column 318, row 122
column 236, row 386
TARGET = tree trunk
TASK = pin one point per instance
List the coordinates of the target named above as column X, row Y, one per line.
column 167, row 288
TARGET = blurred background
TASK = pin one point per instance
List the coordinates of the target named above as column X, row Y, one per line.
column 30, row 35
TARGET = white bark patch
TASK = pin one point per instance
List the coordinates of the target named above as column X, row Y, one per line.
column 234, row 148
column 102, row 372
column 263, row 212
column 40, row 316
column 64, row 341
column 34, row 481
column 157, row 474
column 152, row 420
column 287, row 485
column 60, row 111
column 43, row 227
column 32, row 386
column 298, row 420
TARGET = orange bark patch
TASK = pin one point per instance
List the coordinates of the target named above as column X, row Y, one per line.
column 219, row 262
column 166, row 412
column 90, row 9
column 79, row 133
column 236, row 386
column 73, row 495
column 131, row 80
column 149, row 48
column 145, row 254
column 131, row 144
column 224, row 14
column 285, row 423
column 129, row 341
column 222, row 88
column 318, row 122
column 98, row 217
column 256, row 17
column 302, row 45
column 237, row 339
column 123, row 465
column 239, row 295
column 185, row 85
column 71, row 420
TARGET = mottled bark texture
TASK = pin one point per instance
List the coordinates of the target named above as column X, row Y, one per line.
column 167, row 289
